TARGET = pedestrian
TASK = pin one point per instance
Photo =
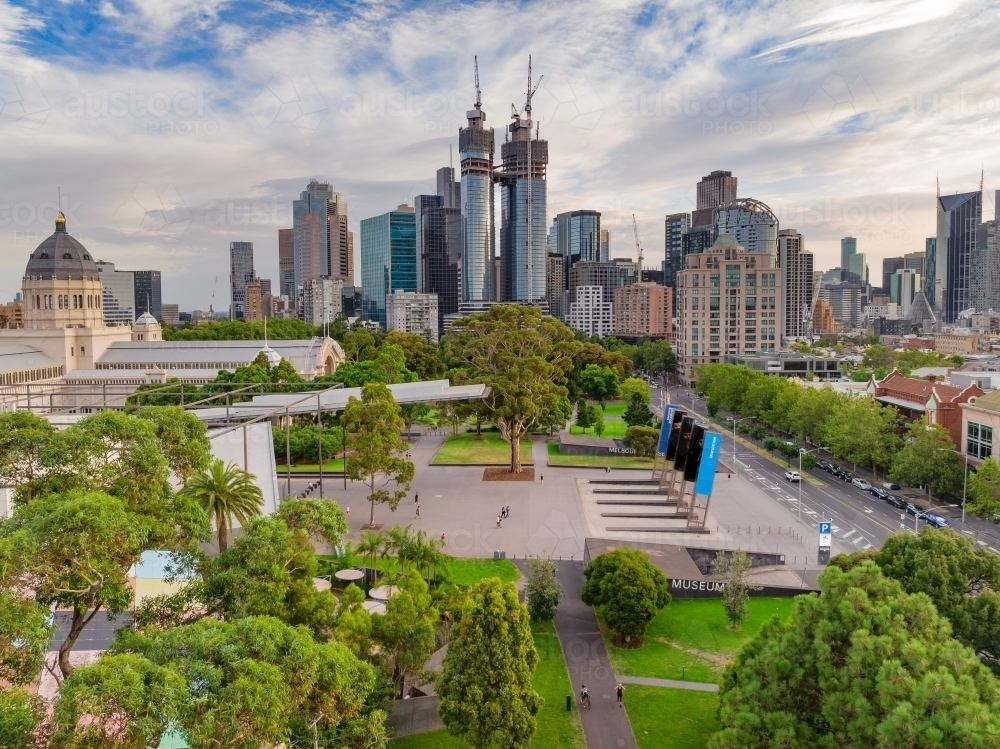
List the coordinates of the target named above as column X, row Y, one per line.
column 620, row 691
column 506, row 511
column 498, row 521
column 542, row 477
column 729, row 476
column 442, row 540
column 418, row 511
column 416, row 497
column 348, row 512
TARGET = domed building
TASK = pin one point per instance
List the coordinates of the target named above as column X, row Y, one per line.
column 146, row 328
column 63, row 309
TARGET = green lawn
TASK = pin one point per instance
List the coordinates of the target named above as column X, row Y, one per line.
column 557, row 729
column 613, row 429
column 556, row 458
column 671, row 718
column 694, row 624
column 615, row 408
column 464, row 570
column 492, row 449
column 333, row 465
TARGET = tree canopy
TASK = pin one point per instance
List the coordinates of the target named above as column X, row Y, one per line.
column 522, row 356
column 862, row 664
column 627, row 589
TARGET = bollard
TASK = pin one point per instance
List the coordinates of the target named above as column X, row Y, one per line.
column 569, row 702
column 682, row 674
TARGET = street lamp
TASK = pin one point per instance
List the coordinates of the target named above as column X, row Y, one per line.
column 801, row 453
column 965, row 487
column 735, row 422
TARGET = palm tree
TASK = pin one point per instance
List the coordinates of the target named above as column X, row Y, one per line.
column 370, row 545
column 226, row 493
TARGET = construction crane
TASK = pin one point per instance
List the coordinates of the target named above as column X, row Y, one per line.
column 638, row 247
column 211, row 309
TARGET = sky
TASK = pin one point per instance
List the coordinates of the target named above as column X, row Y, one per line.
column 172, row 127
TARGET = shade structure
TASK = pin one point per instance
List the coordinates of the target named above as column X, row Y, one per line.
column 374, row 607
column 349, row 574
column 383, row 592
column 321, row 584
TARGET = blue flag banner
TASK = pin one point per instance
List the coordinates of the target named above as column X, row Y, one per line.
column 668, row 418
column 709, row 459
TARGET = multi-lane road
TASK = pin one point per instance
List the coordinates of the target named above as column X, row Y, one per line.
column 858, row 517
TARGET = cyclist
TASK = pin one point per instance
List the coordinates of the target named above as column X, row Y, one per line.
column 584, row 695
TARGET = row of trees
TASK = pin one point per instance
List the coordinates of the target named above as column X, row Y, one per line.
column 857, row 429
column 895, row 651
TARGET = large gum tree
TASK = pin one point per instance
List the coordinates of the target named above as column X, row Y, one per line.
column 523, row 356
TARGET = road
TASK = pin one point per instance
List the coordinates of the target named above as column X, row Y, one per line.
column 858, row 517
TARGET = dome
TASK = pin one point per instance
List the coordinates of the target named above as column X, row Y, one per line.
column 146, row 320
column 61, row 256
column 273, row 357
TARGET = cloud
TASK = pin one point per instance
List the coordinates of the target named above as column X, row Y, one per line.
column 202, row 127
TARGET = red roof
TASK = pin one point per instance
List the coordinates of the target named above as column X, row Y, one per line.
column 920, row 391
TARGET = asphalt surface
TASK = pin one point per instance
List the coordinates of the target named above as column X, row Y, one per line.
column 858, row 517
column 605, row 725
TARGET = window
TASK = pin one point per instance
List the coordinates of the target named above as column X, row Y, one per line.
column 694, row 281
column 714, row 303
column 694, row 302
column 694, row 349
column 713, row 280
column 751, row 279
column 751, row 302
column 732, row 275
column 980, row 441
column 767, row 279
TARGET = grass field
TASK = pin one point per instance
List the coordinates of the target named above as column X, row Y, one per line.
column 671, row 718
column 333, row 465
column 700, row 636
column 492, row 449
column 557, row 729
column 556, row 458
column 464, row 570
column 613, row 429
column 615, row 408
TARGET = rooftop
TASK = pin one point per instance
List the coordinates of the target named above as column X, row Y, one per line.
column 19, row 357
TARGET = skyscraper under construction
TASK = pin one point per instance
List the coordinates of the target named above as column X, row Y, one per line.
column 475, row 152
column 523, row 238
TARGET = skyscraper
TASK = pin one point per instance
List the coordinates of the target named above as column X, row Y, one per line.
column 715, row 189
column 578, row 236
column 916, row 261
column 903, row 288
column 848, row 247
column 148, row 293
column 676, row 226
column 286, row 262
column 475, row 153
column 240, row 274
column 889, row 266
column 118, row 297
column 440, row 239
column 930, row 270
column 523, row 206
column 958, row 217
column 449, row 190
column 388, row 259
column 797, row 285
column 322, row 246
column 985, row 271
column 857, row 268
column 752, row 223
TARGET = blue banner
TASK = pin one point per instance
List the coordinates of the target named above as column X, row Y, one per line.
column 668, row 419
column 709, row 459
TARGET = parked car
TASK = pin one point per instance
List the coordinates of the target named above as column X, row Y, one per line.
column 891, row 486
column 935, row 520
column 912, row 509
column 861, row 484
column 823, row 465
column 792, row 476
column 880, row 493
column 847, row 476
column 896, row 501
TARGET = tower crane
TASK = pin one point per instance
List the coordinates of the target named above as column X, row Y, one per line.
column 211, row 310
column 638, row 247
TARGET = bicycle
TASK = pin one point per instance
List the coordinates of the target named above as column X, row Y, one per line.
column 585, row 699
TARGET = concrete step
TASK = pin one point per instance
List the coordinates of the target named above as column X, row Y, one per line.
column 639, row 502
column 640, row 515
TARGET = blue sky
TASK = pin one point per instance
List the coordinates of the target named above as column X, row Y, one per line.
column 173, row 127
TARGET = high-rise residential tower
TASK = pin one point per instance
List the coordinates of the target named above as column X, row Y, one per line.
column 286, row 262
column 475, row 153
column 903, row 288
column 752, row 223
column 985, row 271
column 388, row 259
column 715, row 189
column 958, row 217
column 240, row 274
column 797, row 283
column 889, row 266
column 578, row 236
column 322, row 243
column 523, row 206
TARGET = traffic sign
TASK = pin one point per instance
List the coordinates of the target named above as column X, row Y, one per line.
column 825, row 535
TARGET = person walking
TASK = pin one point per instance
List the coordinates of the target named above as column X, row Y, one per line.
column 442, row 540
column 416, row 497
column 498, row 521
column 620, row 691
column 347, row 512
column 507, row 510
column 418, row 511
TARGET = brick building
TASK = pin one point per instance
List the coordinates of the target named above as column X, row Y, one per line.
column 928, row 399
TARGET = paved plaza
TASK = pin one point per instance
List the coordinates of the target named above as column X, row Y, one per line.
column 555, row 513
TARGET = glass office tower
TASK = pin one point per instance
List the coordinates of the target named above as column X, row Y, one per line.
column 523, row 259
column 388, row 259
column 475, row 152
column 578, row 236
column 958, row 217
column 752, row 223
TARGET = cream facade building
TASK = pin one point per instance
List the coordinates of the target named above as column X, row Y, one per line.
column 728, row 304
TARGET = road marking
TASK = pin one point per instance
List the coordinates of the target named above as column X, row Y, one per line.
column 867, row 546
column 849, row 533
column 810, row 512
column 869, row 511
column 993, row 550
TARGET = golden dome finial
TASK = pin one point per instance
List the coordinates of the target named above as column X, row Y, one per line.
column 61, row 222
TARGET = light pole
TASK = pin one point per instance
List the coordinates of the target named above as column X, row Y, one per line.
column 965, row 486
column 735, row 422
column 801, row 453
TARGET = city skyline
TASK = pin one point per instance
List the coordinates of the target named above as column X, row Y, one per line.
column 178, row 194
